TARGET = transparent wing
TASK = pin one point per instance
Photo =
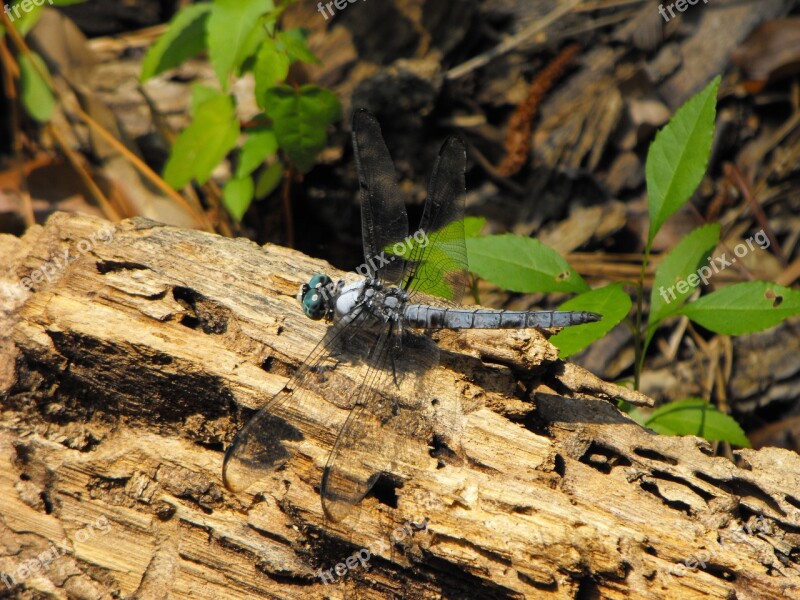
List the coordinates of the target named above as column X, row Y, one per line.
column 440, row 266
column 390, row 427
column 384, row 221
column 259, row 447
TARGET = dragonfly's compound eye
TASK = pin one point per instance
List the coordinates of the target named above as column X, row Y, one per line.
column 315, row 296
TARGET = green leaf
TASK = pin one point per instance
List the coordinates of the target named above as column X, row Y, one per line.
column 301, row 118
column 268, row 180
column 473, row 226
column 677, row 159
column 203, row 144
column 247, row 53
column 744, row 307
column 24, row 14
column 272, row 67
column 230, row 29
column 611, row 301
column 260, row 144
column 237, row 196
column 677, row 275
column 23, row 20
column 522, row 264
column 185, row 38
column 202, row 94
column 695, row 416
column 36, row 96
column 295, row 43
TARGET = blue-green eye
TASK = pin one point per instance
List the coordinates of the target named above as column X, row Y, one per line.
column 314, row 296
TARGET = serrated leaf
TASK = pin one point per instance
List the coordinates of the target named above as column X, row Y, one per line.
column 203, row 144
column 268, row 180
column 677, row 159
column 522, row 264
column 301, row 118
column 695, row 416
column 260, row 144
column 610, row 301
column 295, row 42
column 272, row 67
column 229, row 33
column 237, row 196
column 184, row 38
column 744, row 307
column 36, row 96
column 676, row 276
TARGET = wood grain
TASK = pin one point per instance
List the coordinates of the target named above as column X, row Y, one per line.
column 125, row 376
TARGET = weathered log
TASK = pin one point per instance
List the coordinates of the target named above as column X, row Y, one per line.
column 130, row 365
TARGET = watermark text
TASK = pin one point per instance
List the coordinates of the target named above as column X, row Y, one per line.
column 42, row 562
column 715, row 265
column 26, row 6
column 361, row 558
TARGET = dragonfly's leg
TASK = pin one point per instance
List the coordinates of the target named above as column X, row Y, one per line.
column 396, row 341
column 394, row 373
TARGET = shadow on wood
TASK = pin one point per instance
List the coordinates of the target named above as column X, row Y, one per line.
column 134, row 360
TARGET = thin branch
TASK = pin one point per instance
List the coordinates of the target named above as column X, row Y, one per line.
column 11, row 70
column 105, row 204
column 511, row 43
column 201, row 219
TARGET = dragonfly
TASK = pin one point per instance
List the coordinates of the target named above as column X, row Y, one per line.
column 377, row 358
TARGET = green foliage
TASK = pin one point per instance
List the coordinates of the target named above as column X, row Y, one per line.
column 268, row 180
column 695, row 416
column 676, row 164
column 184, row 39
column 204, row 143
column 677, row 159
column 610, row 301
column 301, row 117
column 237, row 195
column 36, row 96
column 260, row 144
column 744, row 307
column 25, row 20
column 678, row 266
column 294, row 43
column 522, row 264
column 230, row 30
column 272, row 67
column 473, row 226
column 241, row 36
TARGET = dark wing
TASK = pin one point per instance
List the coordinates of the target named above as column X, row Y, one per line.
column 259, row 446
column 440, row 266
column 388, row 429
column 384, row 221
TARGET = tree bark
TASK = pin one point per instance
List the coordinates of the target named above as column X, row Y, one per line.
column 136, row 357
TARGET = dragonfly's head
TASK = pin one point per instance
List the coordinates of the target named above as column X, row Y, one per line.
column 316, row 296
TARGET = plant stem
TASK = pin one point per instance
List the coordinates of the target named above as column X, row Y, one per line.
column 637, row 334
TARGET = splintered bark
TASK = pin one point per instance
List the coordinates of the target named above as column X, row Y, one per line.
column 132, row 363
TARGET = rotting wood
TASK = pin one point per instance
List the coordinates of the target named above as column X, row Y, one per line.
column 125, row 377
